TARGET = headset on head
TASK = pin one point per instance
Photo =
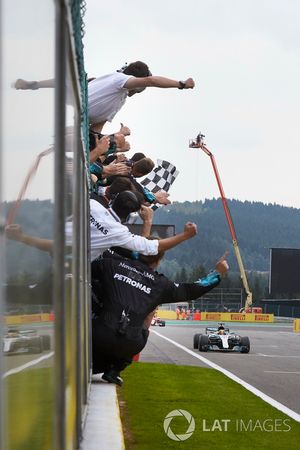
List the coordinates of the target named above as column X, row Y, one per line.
column 138, row 89
column 132, row 196
column 123, row 68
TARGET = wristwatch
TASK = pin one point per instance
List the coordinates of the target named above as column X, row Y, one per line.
column 181, row 85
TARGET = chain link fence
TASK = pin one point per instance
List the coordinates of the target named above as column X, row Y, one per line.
column 78, row 9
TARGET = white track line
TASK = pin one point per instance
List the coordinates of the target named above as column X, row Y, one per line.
column 278, row 356
column 289, row 412
column 29, row 364
column 279, row 371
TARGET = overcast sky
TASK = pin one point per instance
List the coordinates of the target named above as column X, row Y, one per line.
column 244, row 56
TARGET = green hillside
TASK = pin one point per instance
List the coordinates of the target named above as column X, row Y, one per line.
column 258, row 227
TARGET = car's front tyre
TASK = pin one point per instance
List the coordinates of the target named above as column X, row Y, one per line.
column 196, row 340
column 245, row 344
column 203, row 343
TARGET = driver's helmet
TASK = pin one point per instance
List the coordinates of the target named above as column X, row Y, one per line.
column 12, row 333
column 221, row 329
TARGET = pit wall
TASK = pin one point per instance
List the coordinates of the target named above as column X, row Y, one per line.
column 169, row 315
column 297, row 325
column 222, row 317
column 28, row 318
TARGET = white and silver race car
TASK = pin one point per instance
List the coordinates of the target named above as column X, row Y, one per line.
column 24, row 341
column 158, row 321
column 220, row 338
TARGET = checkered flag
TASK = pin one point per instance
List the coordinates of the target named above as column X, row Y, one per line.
column 161, row 177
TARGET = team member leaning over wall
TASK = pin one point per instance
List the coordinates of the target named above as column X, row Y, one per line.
column 125, row 293
column 107, row 229
column 108, row 93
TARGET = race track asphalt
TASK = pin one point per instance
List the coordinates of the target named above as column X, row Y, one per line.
column 272, row 366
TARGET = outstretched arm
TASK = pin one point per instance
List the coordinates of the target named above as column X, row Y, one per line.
column 190, row 230
column 173, row 292
column 160, row 82
column 14, row 232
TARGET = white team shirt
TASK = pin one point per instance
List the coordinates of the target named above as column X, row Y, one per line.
column 106, row 96
column 107, row 231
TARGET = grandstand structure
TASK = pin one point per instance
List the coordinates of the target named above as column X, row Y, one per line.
column 220, row 299
column 44, row 283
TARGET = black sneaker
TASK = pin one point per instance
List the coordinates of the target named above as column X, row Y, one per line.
column 112, row 377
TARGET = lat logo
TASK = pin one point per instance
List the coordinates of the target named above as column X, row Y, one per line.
column 217, row 425
column 184, row 414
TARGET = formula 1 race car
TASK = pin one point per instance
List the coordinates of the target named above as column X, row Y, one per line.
column 158, row 321
column 24, row 341
column 220, row 338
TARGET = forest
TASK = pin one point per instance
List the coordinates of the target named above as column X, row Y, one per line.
column 258, row 228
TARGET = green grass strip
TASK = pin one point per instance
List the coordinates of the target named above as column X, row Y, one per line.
column 226, row 415
column 29, row 409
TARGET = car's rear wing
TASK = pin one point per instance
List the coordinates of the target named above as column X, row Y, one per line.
column 209, row 330
column 215, row 330
column 27, row 332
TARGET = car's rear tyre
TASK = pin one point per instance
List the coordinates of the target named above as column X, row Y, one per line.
column 203, row 343
column 196, row 340
column 36, row 346
column 162, row 323
column 245, row 344
column 46, row 342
